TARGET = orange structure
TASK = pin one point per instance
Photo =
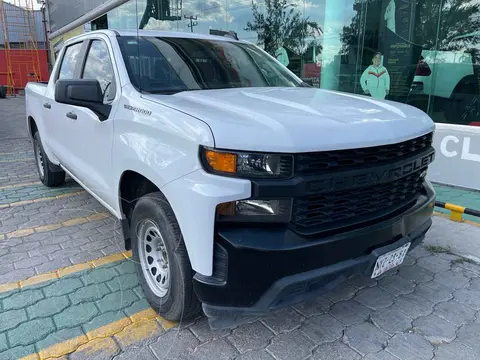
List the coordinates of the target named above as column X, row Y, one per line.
column 20, row 44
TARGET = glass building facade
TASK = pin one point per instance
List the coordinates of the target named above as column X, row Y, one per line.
column 421, row 52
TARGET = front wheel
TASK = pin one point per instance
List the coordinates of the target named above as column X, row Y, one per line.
column 161, row 258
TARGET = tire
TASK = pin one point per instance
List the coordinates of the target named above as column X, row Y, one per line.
column 44, row 166
column 169, row 288
column 3, row 92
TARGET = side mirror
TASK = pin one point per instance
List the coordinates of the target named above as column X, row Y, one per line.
column 84, row 93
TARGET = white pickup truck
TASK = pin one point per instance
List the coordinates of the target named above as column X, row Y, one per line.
column 240, row 189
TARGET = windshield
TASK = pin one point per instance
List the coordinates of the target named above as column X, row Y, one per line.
column 168, row 65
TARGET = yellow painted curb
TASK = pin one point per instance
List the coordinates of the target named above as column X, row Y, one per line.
column 38, row 279
column 50, row 227
column 126, row 331
column 19, row 185
column 26, row 202
column 446, row 216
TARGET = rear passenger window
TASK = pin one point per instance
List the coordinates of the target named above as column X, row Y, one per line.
column 67, row 69
column 99, row 67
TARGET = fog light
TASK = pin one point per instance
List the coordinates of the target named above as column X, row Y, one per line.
column 255, row 210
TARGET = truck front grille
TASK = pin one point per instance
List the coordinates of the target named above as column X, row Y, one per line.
column 329, row 209
column 340, row 160
column 340, row 209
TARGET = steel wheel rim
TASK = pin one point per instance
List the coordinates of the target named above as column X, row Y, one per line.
column 39, row 158
column 153, row 258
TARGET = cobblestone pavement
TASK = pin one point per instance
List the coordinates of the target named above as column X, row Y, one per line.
column 64, row 295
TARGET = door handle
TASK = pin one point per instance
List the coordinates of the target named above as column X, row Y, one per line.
column 72, row 115
column 47, row 106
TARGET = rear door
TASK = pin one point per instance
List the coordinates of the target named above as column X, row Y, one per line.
column 56, row 122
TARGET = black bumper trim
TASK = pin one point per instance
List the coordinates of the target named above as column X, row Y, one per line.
column 307, row 285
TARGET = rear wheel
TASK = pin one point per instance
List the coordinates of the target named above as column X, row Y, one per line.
column 44, row 166
column 463, row 107
column 3, row 92
column 161, row 258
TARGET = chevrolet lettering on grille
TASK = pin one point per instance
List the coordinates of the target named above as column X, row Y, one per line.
column 367, row 177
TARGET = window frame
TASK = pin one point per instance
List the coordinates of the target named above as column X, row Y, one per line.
column 62, row 57
column 87, row 46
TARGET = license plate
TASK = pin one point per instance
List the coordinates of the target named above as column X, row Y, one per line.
column 390, row 260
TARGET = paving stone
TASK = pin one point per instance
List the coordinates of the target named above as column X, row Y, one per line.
column 435, row 329
column 392, row 320
column 44, row 250
column 22, row 299
column 470, row 298
column 98, row 276
column 381, row 355
column 3, row 342
column 48, row 307
column 102, row 320
column 250, row 337
column 434, row 263
column 25, row 247
column 374, row 298
column 410, row 347
column 137, row 306
column 409, row 261
column 434, row 292
column 30, row 332
column 75, row 315
column 396, row 285
column 201, row 329
column 344, row 291
column 11, row 258
column 123, row 282
column 97, row 349
column 125, row 267
column 291, row 346
column 175, row 344
column 117, row 300
column 456, row 350
column 62, row 286
column 453, row 280
column 413, row 305
column 31, row 262
column 419, row 252
column 52, row 265
column 322, row 328
column 350, row 312
column 416, row 274
column 469, row 335
column 454, row 312
column 218, row 349
column 89, row 293
column 283, row 320
column 362, row 281
column 137, row 354
column 316, row 306
column 335, row 350
column 86, row 256
column 365, row 338
column 256, row 355
column 16, row 275
column 17, row 352
column 57, row 337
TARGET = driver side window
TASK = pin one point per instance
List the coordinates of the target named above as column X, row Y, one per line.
column 98, row 66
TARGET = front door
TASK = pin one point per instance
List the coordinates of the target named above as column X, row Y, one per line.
column 90, row 139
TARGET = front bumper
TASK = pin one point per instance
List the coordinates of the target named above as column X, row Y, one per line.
column 259, row 269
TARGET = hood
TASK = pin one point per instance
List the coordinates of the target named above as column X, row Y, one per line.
column 298, row 119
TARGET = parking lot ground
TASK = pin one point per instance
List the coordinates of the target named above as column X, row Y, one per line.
column 68, row 290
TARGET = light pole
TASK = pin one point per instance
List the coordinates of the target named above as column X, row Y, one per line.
column 192, row 22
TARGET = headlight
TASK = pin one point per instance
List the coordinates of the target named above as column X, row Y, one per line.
column 254, row 210
column 247, row 165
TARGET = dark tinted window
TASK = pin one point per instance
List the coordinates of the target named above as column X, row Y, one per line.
column 168, row 65
column 67, row 69
column 99, row 67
